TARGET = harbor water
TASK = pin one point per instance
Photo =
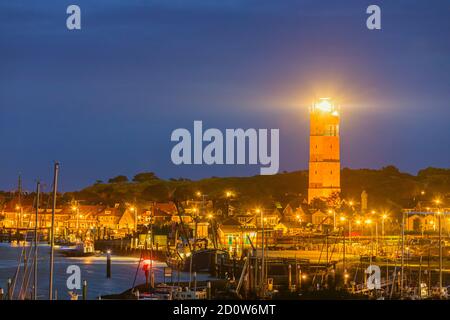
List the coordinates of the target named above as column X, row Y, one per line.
column 93, row 270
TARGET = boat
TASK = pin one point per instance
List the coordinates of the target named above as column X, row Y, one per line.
column 80, row 249
column 203, row 260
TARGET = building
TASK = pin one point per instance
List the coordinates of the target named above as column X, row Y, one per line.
column 421, row 220
column 321, row 219
column 235, row 237
column 324, row 153
column 288, row 228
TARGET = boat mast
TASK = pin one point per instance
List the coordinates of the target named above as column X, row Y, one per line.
column 38, row 187
column 440, row 253
column 151, row 242
column 403, row 255
column 52, row 230
column 19, row 189
column 262, row 257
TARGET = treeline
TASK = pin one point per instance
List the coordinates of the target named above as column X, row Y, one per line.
column 388, row 188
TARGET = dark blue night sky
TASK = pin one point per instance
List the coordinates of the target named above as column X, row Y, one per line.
column 104, row 100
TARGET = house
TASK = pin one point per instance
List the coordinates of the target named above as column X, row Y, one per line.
column 299, row 214
column 288, row 228
column 271, row 218
column 234, row 236
column 109, row 218
column 425, row 218
column 15, row 214
column 246, row 219
column 127, row 220
column 319, row 218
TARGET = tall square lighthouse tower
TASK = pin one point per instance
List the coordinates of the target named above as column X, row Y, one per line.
column 324, row 153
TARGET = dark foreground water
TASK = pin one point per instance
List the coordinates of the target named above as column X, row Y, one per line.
column 93, row 270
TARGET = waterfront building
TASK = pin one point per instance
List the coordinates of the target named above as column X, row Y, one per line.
column 234, row 237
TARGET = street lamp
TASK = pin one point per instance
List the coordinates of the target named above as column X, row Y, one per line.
column 77, row 213
column 438, row 202
column 383, row 218
column 228, row 195
column 258, row 210
column 343, row 219
column 134, row 210
column 369, row 222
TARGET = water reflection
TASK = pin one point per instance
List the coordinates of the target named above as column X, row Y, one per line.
column 93, row 270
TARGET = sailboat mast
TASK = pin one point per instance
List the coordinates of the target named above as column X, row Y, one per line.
column 403, row 255
column 19, row 190
column 38, row 187
column 52, row 231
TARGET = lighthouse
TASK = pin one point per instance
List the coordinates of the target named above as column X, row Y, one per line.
column 324, row 153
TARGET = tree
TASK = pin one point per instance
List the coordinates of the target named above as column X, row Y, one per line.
column 390, row 170
column 158, row 192
column 145, row 176
column 118, row 179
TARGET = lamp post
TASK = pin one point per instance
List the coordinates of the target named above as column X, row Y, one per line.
column 383, row 218
column 438, row 202
column 369, row 222
column 75, row 210
column 262, row 251
column 228, row 195
column 134, row 210
column 343, row 218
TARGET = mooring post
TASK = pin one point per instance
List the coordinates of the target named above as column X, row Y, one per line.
column 250, row 278
column 208, row 290
column 152, row 278
column 195, row 282
column 84, row 290
column 108, row 264
column 9, row 289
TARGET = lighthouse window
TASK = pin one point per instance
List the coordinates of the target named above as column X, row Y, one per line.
column 331, row 130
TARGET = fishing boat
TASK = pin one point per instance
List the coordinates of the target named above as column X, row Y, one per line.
column 80, row 249
column 203, row 260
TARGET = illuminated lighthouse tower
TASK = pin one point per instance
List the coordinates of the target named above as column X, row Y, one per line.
column 324, row 159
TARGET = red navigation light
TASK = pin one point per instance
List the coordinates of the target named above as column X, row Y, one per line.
column 146, row 264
